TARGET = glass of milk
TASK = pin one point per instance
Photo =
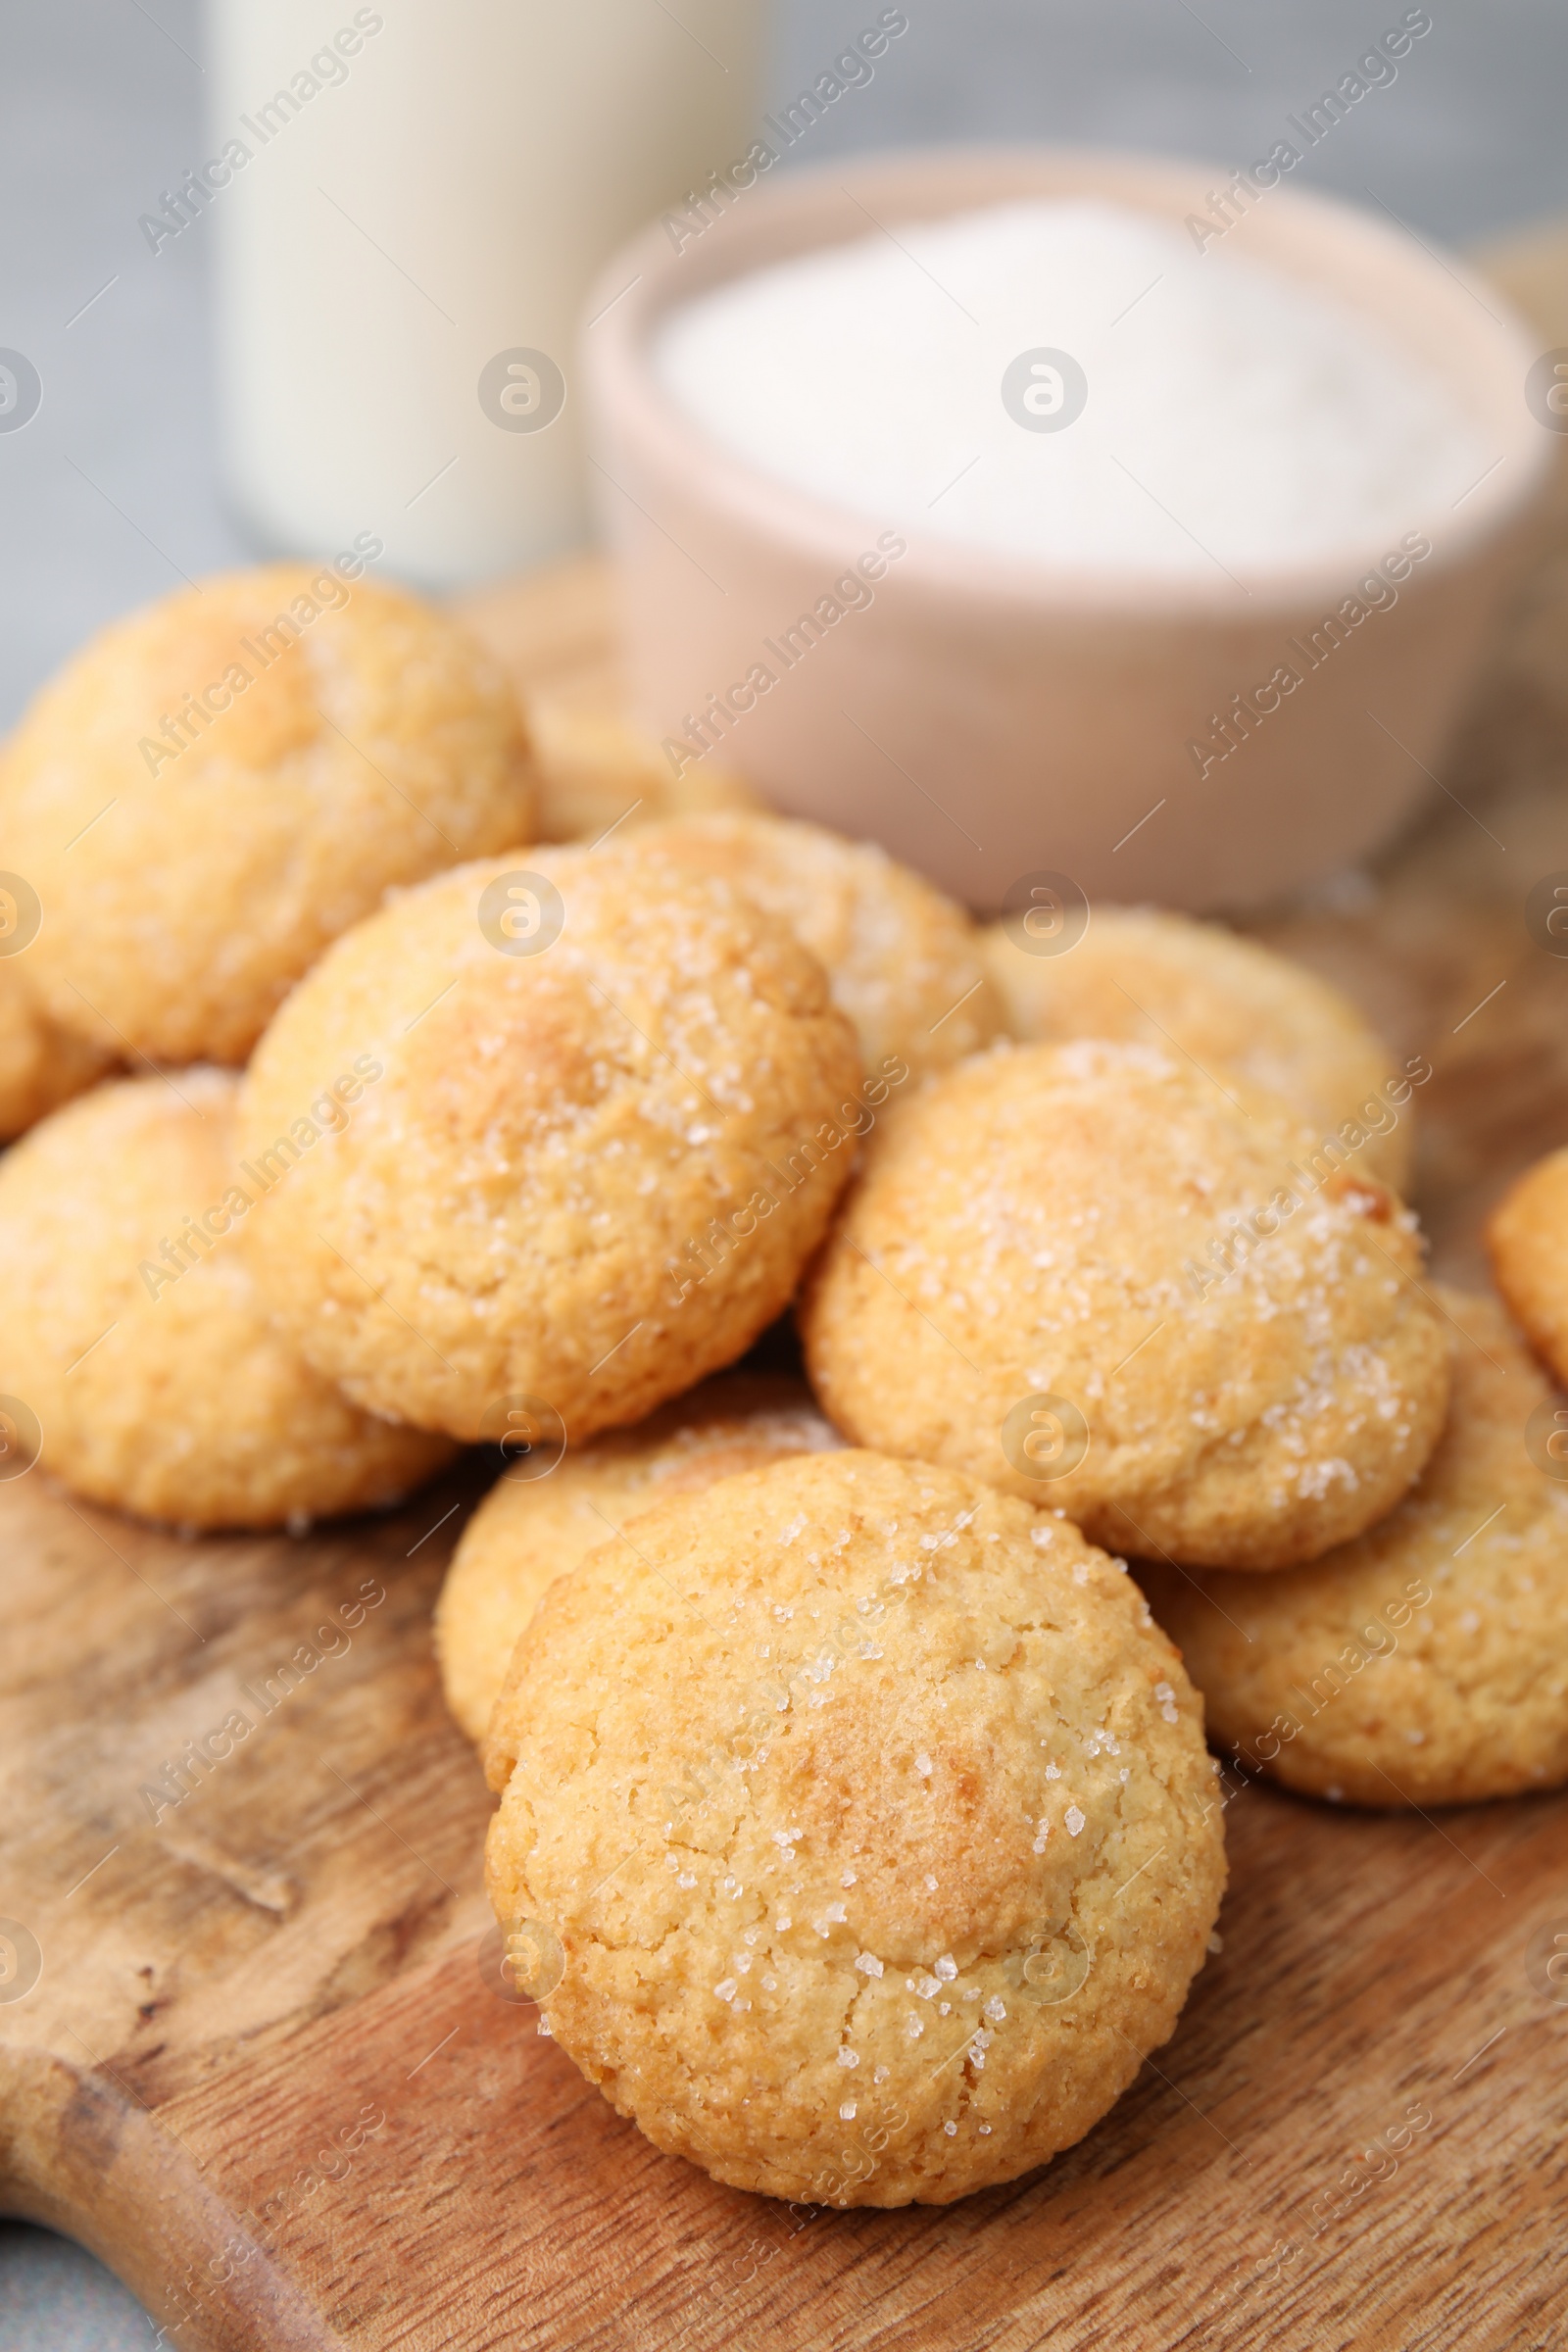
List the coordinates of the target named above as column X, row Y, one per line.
column 408, row 203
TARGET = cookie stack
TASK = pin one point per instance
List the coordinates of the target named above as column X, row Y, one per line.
column 857, row 1829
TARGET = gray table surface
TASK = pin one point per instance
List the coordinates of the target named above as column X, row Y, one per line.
column 113, row 491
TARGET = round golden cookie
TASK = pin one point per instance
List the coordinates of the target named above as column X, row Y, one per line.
column 904, row 961
column 1142, row 977
column 1527, row 1241
column 1426, row 1662
column 598, row 770
column 556, row 633
column 1087, row 1274
column 611, row 1118
column 134, row 1334
column 216, row 787
column 856, row 1829
column 41, row 1065
column 531, row 1529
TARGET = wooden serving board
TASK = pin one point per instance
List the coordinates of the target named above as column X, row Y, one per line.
column 254, row 2048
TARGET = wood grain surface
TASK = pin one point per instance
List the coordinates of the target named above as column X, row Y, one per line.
column 263, row 2062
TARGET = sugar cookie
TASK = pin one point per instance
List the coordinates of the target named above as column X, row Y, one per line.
column 1527, row 1241
column 1143, row 977
column 133, row 1336
column 531, row 1529
column 554, row 634
column 611, row 1126
column 903, row 961
column 598, row 770
column 855, row 1828
column 1426, row 1662
column 1085, row 1272
column 216, row 787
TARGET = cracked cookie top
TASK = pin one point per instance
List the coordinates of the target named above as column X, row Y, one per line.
column 608, row 1118
column 865, row 1815
column 1160, row 1301
column 213, row 788
column 532, row 1528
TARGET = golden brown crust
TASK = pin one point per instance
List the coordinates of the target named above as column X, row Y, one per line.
column 531, row 1529
column 869, row 1815
column 1527, row 1241
column 1426, row 1662
column 1142, row 977
column 588, row 1175
column 1054, row 1222
column 904, row 961
column 41, row 1065
column 160, row 1384
column 190, row 873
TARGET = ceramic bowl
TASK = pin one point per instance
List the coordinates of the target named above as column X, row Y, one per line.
column 992, row 718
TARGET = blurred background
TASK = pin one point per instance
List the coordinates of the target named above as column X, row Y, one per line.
column 112, row 494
